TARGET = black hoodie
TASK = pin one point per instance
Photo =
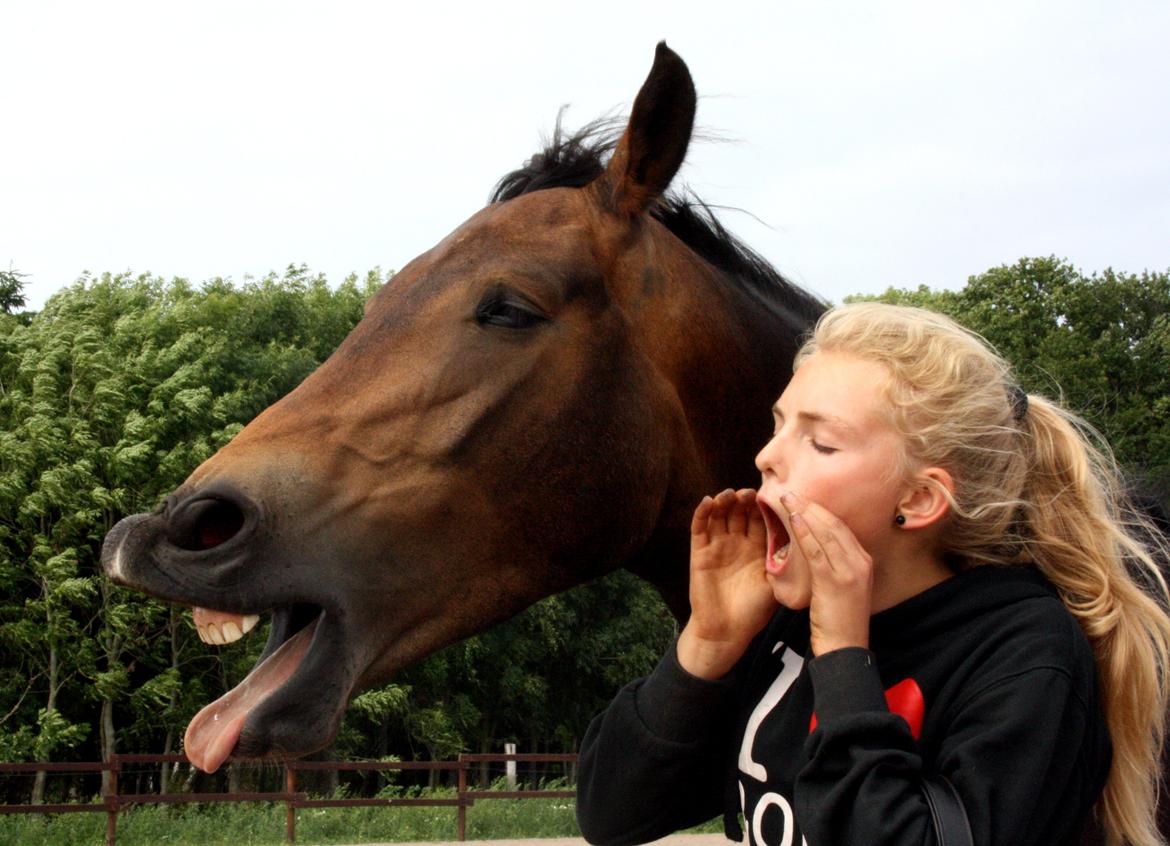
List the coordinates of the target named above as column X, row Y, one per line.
column 985, row 678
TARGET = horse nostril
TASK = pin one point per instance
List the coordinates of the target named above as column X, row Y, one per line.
column 219, row 523
column 204, row 523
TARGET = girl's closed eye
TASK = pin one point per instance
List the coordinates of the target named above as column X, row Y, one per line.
column 823, row 449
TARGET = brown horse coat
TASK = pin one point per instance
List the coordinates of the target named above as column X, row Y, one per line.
column 540, row 398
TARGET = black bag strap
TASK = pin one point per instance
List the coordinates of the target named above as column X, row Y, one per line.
column 946, row 809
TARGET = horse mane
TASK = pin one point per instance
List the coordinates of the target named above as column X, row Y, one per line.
column 573, row 160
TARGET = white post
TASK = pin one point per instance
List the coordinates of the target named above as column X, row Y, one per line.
column 510, row 766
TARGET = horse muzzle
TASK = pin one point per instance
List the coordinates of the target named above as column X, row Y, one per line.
column 202, row 548
column 216, row 548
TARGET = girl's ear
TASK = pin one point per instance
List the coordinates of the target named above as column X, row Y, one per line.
column 926, row 502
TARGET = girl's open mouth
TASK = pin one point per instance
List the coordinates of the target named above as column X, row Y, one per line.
column 779, row 540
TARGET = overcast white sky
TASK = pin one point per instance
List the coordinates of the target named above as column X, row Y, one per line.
column 890, row 143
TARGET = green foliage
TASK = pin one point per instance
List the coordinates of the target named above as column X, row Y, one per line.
column 55, row 732
column 109, row 397
column 122, row 385
column 11, row 291
column 262, row 824
column 1101, row 343
column 382, row 703
column 540, row 677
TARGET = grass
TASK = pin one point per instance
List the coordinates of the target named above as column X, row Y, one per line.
column 262, row 824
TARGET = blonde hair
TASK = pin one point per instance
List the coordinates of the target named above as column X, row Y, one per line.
column 1033, row 484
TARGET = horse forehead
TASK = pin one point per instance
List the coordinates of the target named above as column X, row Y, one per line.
column 554, row 219
column 541, row 235
column 530, row 233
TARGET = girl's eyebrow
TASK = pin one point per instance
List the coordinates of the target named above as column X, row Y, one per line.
column 814, row 417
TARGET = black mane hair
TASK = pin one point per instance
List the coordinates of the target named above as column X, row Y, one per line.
column 573, row 160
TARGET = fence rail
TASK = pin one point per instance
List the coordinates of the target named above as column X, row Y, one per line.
column 113, row 801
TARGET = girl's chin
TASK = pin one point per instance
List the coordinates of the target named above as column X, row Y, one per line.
column 788, row 594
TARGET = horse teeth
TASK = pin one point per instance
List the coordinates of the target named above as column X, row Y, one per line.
column 220, row 627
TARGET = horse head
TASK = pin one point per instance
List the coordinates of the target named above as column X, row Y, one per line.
column 540, row 398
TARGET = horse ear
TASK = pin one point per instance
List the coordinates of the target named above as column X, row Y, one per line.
column 653, row 147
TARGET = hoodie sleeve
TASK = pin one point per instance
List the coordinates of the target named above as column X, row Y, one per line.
column 655, row 761
column 1014, row 752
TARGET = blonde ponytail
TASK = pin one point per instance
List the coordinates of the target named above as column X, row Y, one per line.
column 1101, row 556
column 1034, row 484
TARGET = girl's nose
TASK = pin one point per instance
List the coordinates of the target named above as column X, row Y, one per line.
column 766, row 458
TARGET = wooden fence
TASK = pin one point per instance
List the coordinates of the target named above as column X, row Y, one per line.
column 113, row 801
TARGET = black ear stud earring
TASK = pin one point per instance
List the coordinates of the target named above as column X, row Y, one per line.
column 900, row 519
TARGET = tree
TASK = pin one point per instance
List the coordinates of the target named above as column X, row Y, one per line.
column 109, row 397
column 539, row 678
column 1100, row 342
column 11, row 291
column 121, row 385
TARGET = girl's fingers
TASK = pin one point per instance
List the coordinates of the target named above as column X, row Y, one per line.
column 822, row 537
column 724, row 504
column 810, row 546
column 737, row 518
column 829, row 532
column 838, row 539
column 841, row 571
column 702, row 514
column 710, row 517
column 825, row 540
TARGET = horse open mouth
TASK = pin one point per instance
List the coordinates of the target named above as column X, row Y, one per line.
column 302, row 660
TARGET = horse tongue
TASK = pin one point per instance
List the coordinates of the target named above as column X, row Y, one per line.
column 213, row 733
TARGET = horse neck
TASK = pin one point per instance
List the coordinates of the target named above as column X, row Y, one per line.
column 733, row 360
column 726, row 352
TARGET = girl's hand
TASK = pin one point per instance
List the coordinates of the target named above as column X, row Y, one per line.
column 731, row 600
column 841, row 572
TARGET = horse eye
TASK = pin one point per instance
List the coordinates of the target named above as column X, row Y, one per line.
column 500, row 311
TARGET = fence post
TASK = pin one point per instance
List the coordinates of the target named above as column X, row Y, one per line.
column 462, row 798
column 112, row 805
column 290, row 786
column 510, row 766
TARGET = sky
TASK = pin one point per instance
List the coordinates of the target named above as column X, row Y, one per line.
column 864, row 145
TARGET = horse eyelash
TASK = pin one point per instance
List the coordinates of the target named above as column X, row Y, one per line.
column 484, row 312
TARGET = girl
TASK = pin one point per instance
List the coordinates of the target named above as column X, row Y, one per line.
column 935, row 578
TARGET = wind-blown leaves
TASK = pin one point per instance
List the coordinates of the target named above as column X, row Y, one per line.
column 110, row 396
column 122, row 385
column 1102, row 342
